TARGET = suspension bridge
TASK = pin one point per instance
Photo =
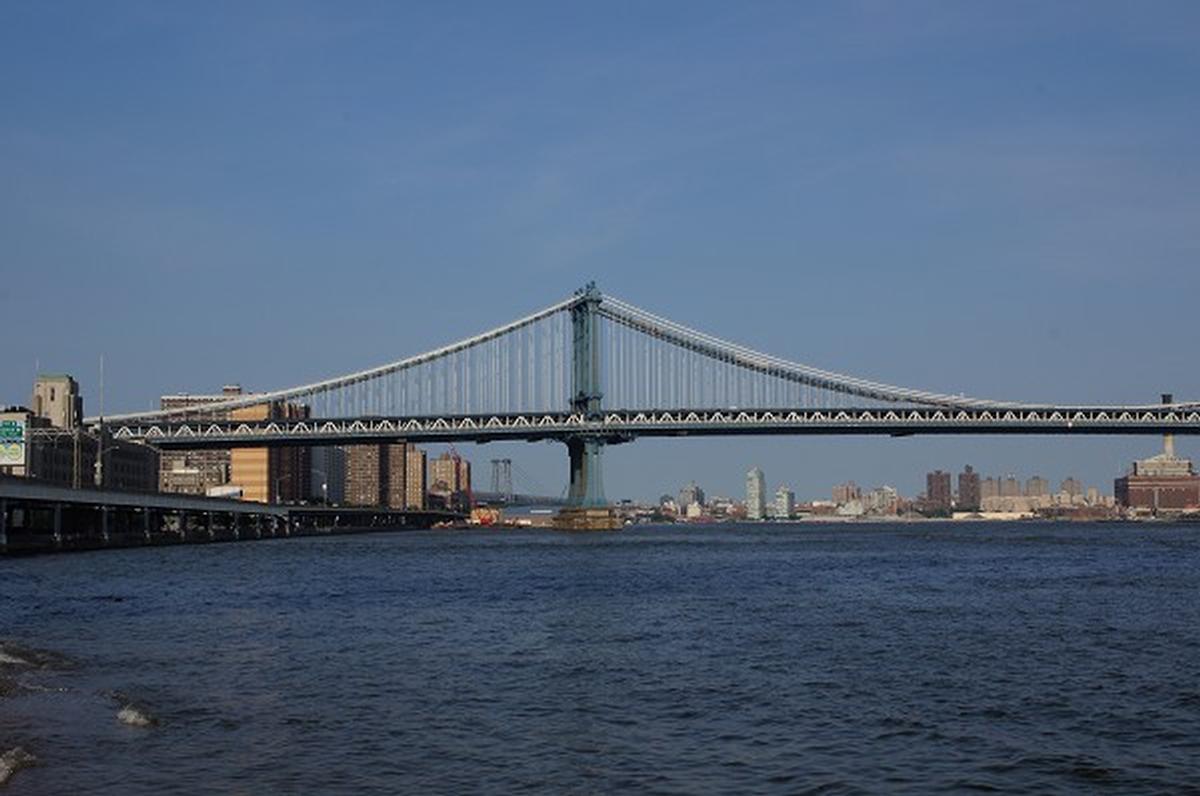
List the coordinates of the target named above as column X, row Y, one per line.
column 593, row 370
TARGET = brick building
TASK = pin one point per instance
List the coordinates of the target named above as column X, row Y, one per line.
column 1162, row 483
column 390, row 475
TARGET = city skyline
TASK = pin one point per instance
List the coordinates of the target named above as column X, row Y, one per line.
column 831, row 493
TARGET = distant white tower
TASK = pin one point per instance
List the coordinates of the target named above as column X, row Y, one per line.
column 756, row 495
column 785, row 503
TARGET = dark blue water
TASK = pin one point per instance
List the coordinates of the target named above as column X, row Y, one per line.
column 771, row 659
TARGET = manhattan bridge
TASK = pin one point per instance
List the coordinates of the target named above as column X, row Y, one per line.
column 593, row 370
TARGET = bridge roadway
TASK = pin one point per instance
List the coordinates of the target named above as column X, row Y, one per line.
column 38, row 517
column 624, row 425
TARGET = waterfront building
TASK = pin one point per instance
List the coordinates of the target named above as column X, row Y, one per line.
column 414, row 478
column 67, row 456
column 968, row 490
column 851, row 508
column 1010, row 487
column 265, row 475
column 756, row 495
column 882, row 500
column 450, row 478
column 1008, row 505
column 724, row 507
column 937, row 492
column 989, row 488
column 818, row 508
column 366, row 478
column 276, row 474
column 69, row 459
column 690, row 494
column 1165, row 482
column 1037, row 487
column 844, row 493
column 1072, row 488
column 397, row 475
column 390, row 475
column 785, row 503
column 196, row 472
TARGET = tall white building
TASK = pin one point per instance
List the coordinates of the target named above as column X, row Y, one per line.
column 785, row 503
column 756, row 495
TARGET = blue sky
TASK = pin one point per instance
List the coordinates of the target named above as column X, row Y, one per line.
column 996, row 199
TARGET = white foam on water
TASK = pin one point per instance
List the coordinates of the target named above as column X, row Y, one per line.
column 27, row 657
column 13, row 761
column 44, row 689
column 134, row 717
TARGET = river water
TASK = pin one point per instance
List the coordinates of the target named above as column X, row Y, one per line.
column 915, row 658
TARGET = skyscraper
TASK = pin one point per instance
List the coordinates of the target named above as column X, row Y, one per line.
column 690, row 494
column 1037, row 487
column 844, row 493
column 989, row 488
column 785, row 503
column 391, row 475
column 366, row 475
column 1071, row 487
column 397, row 475
column 1010, row 487
column 414, row 482
column 968, row 490
column 275, row 474
column 756, row 496
column 937, row 492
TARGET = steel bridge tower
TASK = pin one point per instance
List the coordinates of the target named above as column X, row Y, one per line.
column 585, row 450
column 502, row 483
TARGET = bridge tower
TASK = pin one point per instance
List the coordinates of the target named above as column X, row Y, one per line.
column 502, row 479
column 585, row 450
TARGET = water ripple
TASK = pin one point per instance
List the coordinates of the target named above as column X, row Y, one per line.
column 899, row 659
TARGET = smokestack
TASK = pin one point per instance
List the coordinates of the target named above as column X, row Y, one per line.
column 1168, row 439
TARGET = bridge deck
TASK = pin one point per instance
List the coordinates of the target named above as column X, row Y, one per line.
column 624, row 425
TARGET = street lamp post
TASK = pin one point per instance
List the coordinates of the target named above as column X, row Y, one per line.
column 279, row 481
column 324, row 485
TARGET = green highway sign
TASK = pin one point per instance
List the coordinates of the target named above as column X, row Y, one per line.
column 12, row 443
